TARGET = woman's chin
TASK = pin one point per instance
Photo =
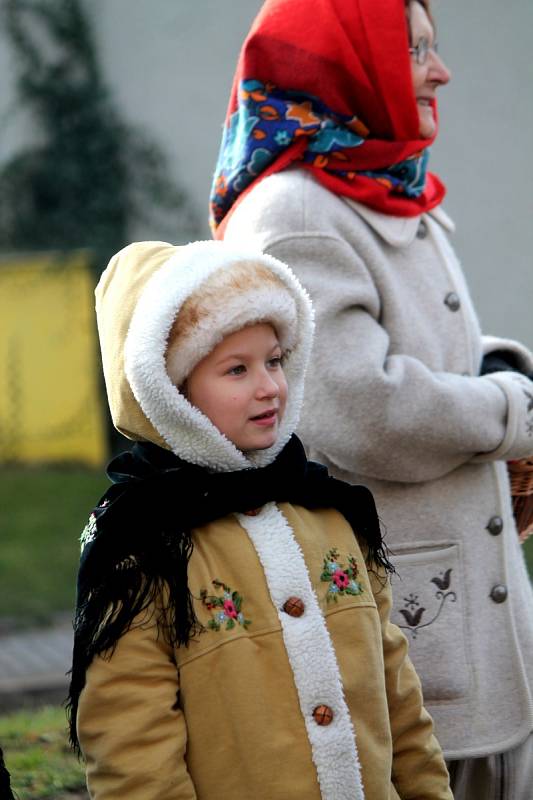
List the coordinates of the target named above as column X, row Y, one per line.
column 426, row 122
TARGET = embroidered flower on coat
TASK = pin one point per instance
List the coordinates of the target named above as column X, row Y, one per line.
column 227, row 608
column 342, row 580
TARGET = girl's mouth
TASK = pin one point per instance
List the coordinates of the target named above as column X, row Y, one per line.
column 266, row 418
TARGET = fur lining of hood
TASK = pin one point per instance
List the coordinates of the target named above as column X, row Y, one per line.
column 139, row 299
column 229, row 299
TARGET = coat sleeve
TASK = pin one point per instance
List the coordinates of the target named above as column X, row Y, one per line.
column 394, row 418
column 519, row 356
column 418, row 768
column 132, row 735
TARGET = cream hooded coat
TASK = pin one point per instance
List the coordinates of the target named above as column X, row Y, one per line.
column 231, row 715
column 394, row 400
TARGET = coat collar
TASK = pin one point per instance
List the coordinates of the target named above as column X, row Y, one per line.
column 398, row 231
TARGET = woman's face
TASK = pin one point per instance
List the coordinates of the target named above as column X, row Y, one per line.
column 427, row 77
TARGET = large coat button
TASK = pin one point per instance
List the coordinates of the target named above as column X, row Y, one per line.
column 495, row 525
column 294, row 607
column 498, row 593
column 323, row 715
column 422, row 230
column 452, row 301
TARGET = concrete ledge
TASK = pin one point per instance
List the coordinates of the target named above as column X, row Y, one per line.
column 33, row 666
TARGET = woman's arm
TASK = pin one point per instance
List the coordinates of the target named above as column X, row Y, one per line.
column 131, row 732
column 513, row 355
column 418, row 768
column 384, row 415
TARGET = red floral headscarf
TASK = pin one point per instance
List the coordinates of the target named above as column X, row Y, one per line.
column 327, row 84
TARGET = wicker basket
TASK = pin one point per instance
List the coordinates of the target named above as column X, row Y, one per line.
column 521, row 475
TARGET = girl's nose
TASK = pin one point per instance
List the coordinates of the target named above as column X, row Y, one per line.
column 267, row 386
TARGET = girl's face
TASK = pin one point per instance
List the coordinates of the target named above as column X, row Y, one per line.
column 427, row 77
column 240, row 386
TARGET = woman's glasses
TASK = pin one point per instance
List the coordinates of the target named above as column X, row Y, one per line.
column 420, row 52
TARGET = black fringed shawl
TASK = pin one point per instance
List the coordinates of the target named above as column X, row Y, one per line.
column 138, row 540
column 5, row 783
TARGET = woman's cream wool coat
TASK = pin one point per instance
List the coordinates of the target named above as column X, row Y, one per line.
column 394, row 400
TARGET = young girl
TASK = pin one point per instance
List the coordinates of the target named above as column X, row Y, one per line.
column 232, row 631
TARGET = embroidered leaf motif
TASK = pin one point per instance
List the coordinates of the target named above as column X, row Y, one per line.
column 442, row 580
column 227, row 608
column 342, row 580
column 412, row 619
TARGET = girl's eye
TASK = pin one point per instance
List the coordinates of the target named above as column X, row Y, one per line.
column 275, row 362
column 239, row 369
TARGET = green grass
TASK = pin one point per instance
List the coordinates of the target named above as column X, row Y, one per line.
column 38, row 757
column 42, row 513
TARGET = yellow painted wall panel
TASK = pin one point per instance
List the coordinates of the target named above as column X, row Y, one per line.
column 50, row 400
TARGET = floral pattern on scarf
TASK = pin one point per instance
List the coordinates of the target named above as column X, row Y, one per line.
column 268, row 121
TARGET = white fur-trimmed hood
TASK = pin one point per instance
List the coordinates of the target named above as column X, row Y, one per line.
column 137, row 300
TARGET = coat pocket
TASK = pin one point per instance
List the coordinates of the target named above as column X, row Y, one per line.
column 429, row 607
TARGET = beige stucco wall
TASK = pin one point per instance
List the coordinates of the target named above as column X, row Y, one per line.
column 170, row 64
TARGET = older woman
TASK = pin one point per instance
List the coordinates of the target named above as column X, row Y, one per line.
column 324, row 165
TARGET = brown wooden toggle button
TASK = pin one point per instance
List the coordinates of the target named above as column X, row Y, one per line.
column 294, row 607
column 323, row 715
column 253, row 512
